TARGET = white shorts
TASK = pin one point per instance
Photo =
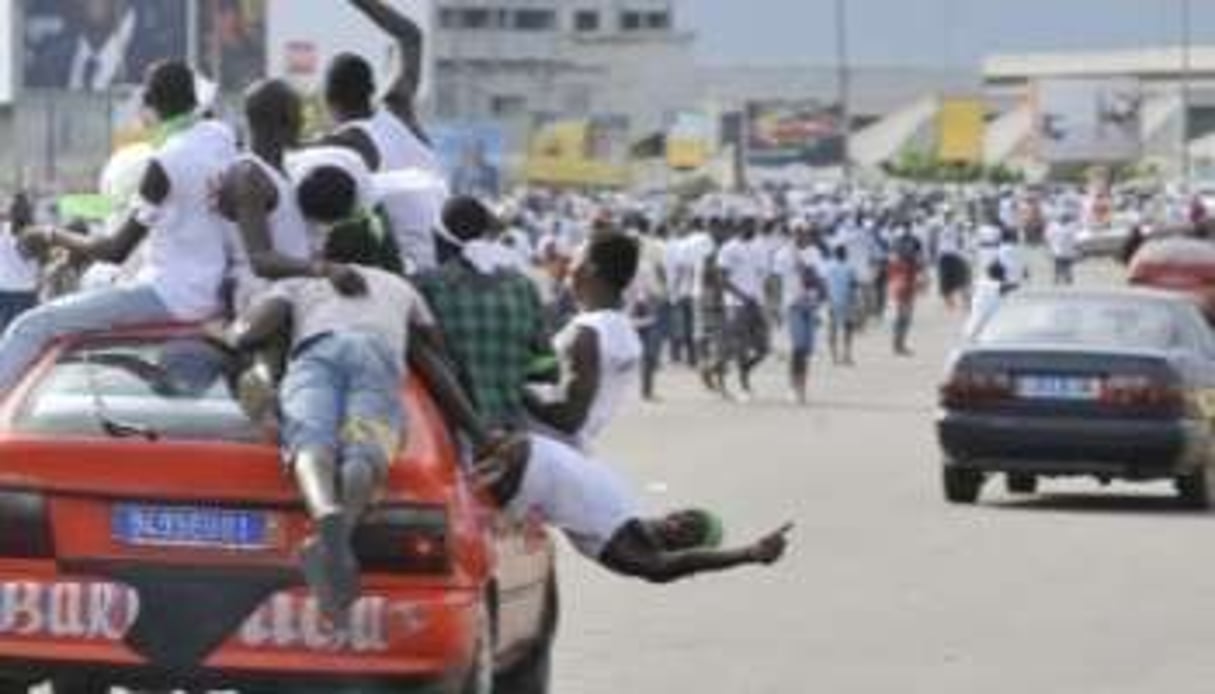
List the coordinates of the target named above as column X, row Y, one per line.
column 582, row 497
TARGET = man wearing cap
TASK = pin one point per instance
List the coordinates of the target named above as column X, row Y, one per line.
column 184, row 262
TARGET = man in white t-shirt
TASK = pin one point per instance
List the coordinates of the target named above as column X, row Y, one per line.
column 18, row 271
column 800, row 267
column 745, row 267
column 185, row 260
column 1061, row 236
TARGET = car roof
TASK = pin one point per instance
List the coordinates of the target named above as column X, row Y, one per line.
column 1113, row 293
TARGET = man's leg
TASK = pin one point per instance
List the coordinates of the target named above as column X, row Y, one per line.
column 29, row 335
column 374, row 429
column 311, row 401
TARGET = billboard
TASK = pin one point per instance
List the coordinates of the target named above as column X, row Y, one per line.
column 689, row 141
column 588, row 152
column 8, row 36
column 793, row 131
column 961, row 125
column 232, row 41
column 475, row 156
column 305, row 34
column 94, row 45
column 1088, row 120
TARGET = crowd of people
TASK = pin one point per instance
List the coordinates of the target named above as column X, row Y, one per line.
column 328, row 268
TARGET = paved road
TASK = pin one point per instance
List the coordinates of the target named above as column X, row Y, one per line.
column 887, row 589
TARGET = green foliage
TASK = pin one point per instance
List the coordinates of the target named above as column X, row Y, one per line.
column 925, row 167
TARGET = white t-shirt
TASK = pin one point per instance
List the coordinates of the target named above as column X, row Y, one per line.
column 791, row 262
column 17, row 272
column 696, row 251
column 413, row 217
column 288, row 235
column 387, row 310
column 986, row 300
column 746, row 264
column 1062, row 239
column 1011, row 257
column 582, row 497
column 185, row 256
column 619, row 364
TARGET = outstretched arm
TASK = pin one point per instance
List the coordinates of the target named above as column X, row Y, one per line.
column 409, row 37
column 633, row 553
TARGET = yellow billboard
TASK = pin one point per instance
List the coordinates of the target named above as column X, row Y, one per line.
column 589, row 153
column 689, row 141
column 961, row 124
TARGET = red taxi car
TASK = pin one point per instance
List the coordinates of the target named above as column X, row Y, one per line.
column 147, row 537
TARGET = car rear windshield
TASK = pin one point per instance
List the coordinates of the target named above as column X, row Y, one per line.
column 1085, row 322
column 169, row 388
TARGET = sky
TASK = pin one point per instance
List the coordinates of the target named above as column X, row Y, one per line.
column 934, row 33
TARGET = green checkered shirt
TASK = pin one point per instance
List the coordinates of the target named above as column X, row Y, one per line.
column 494, row 327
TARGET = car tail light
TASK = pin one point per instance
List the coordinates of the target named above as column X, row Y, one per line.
column 1142, row 392
column 25, row 526
column 968, row 388
column 405, row 539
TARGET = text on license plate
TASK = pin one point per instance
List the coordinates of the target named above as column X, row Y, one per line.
column 1043, row 387
column 188, row 526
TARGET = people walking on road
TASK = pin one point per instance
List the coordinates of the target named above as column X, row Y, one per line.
column 843, row 300
column 1061, row 237
column 953, row 272
column 906, row 265
column 800, row 267
column 745, row 267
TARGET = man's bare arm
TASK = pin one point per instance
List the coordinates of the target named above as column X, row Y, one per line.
column 258, row 325
column 426, row 357
column 568, row 415
column 410, row 39
column 254, row 198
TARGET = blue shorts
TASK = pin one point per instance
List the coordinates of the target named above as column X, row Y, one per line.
column 342, row 393
column 803, row 327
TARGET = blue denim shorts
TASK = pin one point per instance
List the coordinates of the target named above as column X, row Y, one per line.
column 342, row 393
column 803, row 327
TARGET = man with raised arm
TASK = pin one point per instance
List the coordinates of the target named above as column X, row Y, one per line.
column 388, row 135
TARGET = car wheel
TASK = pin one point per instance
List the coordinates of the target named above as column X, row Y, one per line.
column 1195, row 488
column 962, row 486
column 1019, row 483
column 534, row 674
column 79, row 685
column 481, row 676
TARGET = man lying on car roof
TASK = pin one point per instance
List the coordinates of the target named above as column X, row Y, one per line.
column 342, row 419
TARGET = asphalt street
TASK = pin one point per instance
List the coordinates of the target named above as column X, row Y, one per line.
column 886, row 588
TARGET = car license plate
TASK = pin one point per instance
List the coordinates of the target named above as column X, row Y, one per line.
column 190, row 527
column 1043, row 387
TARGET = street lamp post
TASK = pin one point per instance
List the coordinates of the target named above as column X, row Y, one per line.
column 1186, row 91
column 845, row 84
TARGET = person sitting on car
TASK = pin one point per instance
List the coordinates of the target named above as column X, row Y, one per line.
column 184, row 264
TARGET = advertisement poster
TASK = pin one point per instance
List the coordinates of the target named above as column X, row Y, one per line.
column 589, row 152
column 95, row 45
column 232, row 41
column 782, row 133
column 1088, row 120
column 961, row 126
column 304, row 35
column 690, row 141
column 474, row 156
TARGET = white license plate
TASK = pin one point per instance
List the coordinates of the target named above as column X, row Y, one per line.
column 183, row 526
column 1046, row 387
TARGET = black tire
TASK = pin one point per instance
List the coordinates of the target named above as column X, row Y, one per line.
column 1021, row 483
column 533, row 675
column 481, row 677
column 79, row 685
column 12, row 686
column 962, row 486
column 1195, row 489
